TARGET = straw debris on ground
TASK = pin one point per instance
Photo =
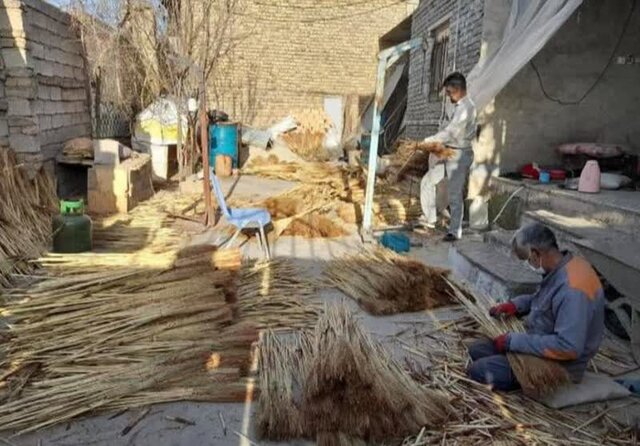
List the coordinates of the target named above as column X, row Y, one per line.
column 142, row 320
column 337, row 383
column 336, row 189
column 487, row 417
column 537, row 376
column 383, row 282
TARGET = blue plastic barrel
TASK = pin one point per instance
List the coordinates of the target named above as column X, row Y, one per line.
column 223, row 140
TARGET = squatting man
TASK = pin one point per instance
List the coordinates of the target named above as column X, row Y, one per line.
column 564, row 318
column 457, row 132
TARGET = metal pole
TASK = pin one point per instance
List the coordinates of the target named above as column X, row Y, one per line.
column 385, row 59
column 373, row 149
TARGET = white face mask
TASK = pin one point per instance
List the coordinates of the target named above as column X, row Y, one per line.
column 539, row 270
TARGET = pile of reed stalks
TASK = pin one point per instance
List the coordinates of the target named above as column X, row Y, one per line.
column 283, row 366
column 383, row 282
column 302, row 212
column 26, row 208
column 147, row 236
column 315, row 225
column 227, row 259
column 274, row 294
column 115, row 338
column 307, row 144
column 391, row 205
column 337, row 383
column 537, row 376
column 308, row 172
column 485, row 417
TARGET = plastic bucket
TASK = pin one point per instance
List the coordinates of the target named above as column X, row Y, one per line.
column 223, row 140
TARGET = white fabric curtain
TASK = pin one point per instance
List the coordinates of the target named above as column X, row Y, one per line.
column 530, row 26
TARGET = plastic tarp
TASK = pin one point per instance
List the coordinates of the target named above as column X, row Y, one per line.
column 158, row 123
column 530, row 26
column 389, row 87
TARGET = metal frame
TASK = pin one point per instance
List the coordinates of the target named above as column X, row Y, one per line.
column 386, row 59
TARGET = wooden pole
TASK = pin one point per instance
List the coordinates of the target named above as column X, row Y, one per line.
column 204, row 142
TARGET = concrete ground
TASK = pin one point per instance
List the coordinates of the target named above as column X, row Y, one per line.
column 159, row 428
column 233, row 424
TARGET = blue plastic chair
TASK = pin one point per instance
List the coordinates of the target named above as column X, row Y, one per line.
column 247, row 218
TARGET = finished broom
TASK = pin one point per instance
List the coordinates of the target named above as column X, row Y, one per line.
column 537, row 376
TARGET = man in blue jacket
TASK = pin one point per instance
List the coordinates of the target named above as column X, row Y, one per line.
column 564, row 318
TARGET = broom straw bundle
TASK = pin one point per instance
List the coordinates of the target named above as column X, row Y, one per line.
column 537, row 376
column 273, row 295
column 26, row 208
column 121, row 338
column 336, row 382
column 383, row 282
column 407, row 148
column 283, row 365
column 354, row 387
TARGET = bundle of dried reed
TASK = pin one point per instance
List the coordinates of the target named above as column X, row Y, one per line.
column 109, row 338
column 310, row 173
column 283, row 364
column 383, row 282
column 537, row 376
column 26, row 208
column 298, row 212
column 338, row 381
column 309, row 145
column 353, row 386
column 273, row 294
column 227, row 259
column 405, row 150
column 315, row 225
column 485, row 417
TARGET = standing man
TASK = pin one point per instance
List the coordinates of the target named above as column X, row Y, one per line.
column 457, row 132
column 564, row 318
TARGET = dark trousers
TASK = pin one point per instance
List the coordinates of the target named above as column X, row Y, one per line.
column 491, row 367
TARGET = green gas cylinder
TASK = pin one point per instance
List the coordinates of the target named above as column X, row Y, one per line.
column 72, row 229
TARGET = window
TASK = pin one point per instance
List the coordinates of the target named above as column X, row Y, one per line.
column 438, row 61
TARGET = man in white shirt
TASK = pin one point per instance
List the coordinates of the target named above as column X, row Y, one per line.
column 457, row 132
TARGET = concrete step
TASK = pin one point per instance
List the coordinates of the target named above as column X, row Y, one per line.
column 616, row 255
column 499, row 239
column 490, row 270
column 618, row 210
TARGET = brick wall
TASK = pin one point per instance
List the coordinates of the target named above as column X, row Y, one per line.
column 465, row 18
column 43, row 100
column 295, row 53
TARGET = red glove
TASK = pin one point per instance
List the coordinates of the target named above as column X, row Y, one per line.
column 501, row 343
column 507, row 308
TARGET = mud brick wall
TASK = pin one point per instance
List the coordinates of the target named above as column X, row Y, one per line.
column 43, row 87
column 465, row 20
column 295, row 53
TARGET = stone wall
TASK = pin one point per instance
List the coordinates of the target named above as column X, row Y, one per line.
column 43, row 89
column 294, row 54
column 465, row 19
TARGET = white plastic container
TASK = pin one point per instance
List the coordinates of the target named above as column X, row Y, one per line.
column 590, row 178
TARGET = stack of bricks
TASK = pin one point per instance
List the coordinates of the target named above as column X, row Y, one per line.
column 43, row 99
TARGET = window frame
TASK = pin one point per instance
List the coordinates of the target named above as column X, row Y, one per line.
column 440, row 36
